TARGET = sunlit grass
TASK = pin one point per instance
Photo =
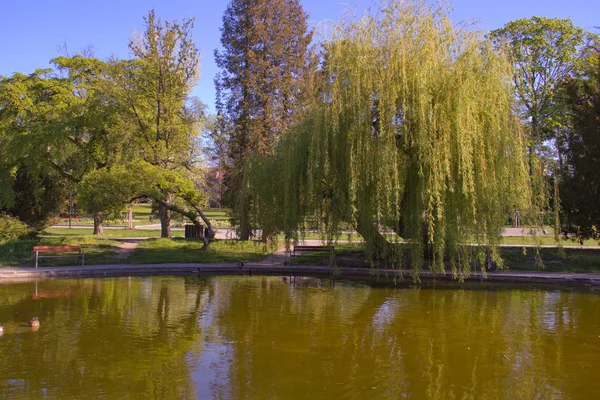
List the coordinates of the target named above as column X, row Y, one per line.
column 111, row 233
column 186, row 251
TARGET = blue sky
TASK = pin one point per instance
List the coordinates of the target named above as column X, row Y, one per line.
column 30, row 35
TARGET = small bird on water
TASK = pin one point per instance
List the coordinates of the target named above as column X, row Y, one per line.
column 1, row 329
column 34, row 322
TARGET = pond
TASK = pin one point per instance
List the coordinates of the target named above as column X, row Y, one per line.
column 234, row 337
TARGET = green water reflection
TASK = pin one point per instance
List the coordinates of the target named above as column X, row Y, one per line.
column 266, row 337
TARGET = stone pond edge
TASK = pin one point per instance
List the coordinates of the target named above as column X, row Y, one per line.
column 9, row 275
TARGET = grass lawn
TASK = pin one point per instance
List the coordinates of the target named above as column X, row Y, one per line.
column 580, row 260
column 188, row 251
column 142, row 214
column 219, row 216
column 111, row 233
column 103, row 249
column 98, row 250
column 571, row 260
column 545, row 241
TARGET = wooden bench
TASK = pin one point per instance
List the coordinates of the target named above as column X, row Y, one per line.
column 58, row 249
column 298, row 250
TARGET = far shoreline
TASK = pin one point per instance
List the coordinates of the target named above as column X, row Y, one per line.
column 28, row 274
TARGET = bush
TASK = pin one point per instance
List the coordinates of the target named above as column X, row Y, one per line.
column 16, row 252
column 11, row 228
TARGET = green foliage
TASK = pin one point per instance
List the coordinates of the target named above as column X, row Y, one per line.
column 415, row 133
column 29, row 107
column 544, row 52
column 107, row 191
column 153, row 93
column 153, row 89
column 37, row 196
column 16, row 252
column 89, row 115
column 57, row 125
column 262, row 89
column 11, row 228
column 581, row 179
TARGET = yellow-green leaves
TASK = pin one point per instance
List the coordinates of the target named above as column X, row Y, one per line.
column 417, row 135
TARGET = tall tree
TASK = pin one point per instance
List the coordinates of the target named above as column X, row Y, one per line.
column 154, row 93
column 415, row 124
column 62, row 120
column 91, row 124
column 580, row 187
column 262, row 87
column 31, row 106
column 543, row 53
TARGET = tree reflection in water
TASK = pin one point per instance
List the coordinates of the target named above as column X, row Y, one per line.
column 269, row 337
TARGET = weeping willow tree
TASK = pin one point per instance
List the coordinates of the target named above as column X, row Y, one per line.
column 415, row 132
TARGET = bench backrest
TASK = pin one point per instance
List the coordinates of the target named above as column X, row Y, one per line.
column 56, row 249
column 324, row 248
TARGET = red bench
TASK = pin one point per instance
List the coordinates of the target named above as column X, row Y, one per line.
column 55, row 250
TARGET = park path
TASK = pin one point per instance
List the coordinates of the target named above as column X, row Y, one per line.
column 126, row 246
column 225, row 233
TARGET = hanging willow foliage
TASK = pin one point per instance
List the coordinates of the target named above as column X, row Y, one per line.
column 414, row 132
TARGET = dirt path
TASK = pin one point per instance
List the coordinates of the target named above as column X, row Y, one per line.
column 126, row 246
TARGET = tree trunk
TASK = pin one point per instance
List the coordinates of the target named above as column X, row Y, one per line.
column 98, row 229
column 264, row 236
column 532, row 142
column 531, row 159
column 370, row 234
column 245, row 229
column 208, row 235
column 165, row 218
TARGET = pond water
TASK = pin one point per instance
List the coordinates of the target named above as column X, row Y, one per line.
column 234, row 337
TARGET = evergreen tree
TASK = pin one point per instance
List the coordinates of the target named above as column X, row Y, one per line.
column 262, row 88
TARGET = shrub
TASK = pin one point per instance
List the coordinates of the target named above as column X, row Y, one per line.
column 11, row 228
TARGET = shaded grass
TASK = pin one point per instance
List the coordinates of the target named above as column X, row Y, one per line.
column 580, row 260
column 14, row 253
column 571, row 260
column 188, row 251
column 516, row 240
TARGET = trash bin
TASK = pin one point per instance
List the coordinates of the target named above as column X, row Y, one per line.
column 193, row 231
